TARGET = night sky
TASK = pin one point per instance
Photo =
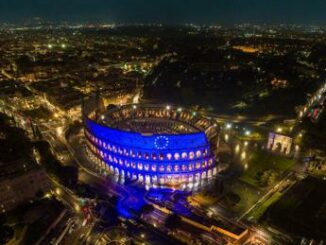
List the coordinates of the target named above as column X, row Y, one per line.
column 168, row 11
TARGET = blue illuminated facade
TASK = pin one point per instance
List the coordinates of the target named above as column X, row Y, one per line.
column 157, row 160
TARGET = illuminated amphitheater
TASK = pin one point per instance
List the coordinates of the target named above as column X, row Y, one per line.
column 156, row 145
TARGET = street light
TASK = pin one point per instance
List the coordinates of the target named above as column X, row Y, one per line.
column 243, row 155
column 59, row 131
column 279, row 129
column 226, row 137
column 237, row 148
column 77, row 207
column 247, row 132
column 228, row 125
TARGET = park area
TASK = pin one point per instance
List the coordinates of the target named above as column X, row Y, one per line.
column 304, row 205
column 264, row 168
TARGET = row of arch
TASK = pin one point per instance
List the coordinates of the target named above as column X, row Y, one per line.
column 162, row 167
column 167, row 156
column 160, row 179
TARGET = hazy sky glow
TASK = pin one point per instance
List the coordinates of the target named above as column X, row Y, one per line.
column 168, row 11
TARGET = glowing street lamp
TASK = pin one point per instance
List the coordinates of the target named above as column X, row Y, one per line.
column 226, row 137
column 228, row 125
column 247, row 132
column 237, row 148
column 59, row 131
column 279, row 129
column 77, row 207
column 243, row 155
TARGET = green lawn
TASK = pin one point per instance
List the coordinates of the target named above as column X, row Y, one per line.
column 303, row 205
column 261, row 161
column 258, row 212
column 248, row 197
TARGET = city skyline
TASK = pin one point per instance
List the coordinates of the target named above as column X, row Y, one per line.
column 167, row 12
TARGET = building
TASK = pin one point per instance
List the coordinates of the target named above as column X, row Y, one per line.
column 279, row 143
column 159, row 146
column 20, row 182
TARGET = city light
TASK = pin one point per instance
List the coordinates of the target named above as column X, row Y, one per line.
column 77, row 207
column 226, row 137
column 59, row 131
column 237, row 148
column 47, row 195
column 85, row 138
column 243, row 155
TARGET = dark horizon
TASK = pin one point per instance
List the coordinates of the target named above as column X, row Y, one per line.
column 223, row 12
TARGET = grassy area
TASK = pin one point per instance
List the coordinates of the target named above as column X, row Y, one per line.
column 258, row 212
column 303, row 205
column 247, row 194
column 260, row 162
